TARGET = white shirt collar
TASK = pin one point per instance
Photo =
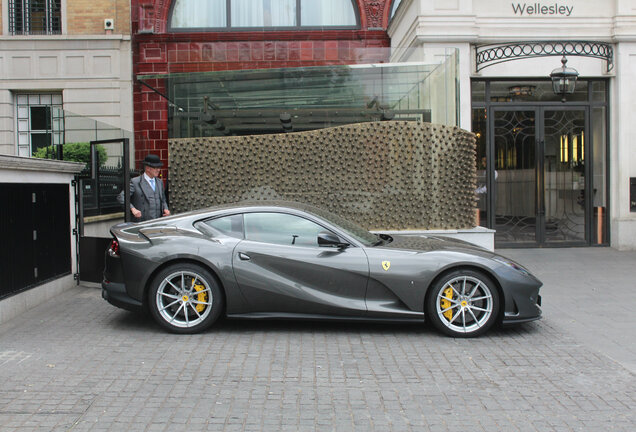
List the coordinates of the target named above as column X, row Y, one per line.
column 148, row 179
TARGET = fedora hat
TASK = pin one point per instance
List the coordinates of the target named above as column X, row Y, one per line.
column 152, row 160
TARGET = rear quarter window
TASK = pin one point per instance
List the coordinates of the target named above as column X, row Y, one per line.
column 231, row 225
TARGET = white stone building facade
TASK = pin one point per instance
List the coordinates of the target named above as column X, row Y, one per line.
column 80, row 61
column 557, row 173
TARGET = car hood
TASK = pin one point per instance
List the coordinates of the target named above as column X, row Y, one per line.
column 425, row 243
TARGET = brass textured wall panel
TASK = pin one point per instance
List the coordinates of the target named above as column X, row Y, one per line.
column 394, row 175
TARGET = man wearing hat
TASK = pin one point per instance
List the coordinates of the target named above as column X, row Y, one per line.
column 147, row 198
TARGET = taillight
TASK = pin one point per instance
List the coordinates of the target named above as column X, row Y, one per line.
column 113, row 249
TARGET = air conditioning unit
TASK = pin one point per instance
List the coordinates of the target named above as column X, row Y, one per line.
column 109, row 24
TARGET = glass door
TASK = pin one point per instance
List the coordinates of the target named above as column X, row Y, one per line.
column 564, row 176
column 513, row 178
column 538, row 176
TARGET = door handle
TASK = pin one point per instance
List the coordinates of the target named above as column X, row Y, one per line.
column 243, row 256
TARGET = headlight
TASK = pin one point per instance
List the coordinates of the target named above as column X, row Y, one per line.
column 511, row 264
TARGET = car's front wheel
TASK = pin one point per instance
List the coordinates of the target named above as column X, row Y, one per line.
column 185, row 298
column 463, row 303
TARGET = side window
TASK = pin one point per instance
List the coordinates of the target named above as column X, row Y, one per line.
column 280, row 228
column 231, row 226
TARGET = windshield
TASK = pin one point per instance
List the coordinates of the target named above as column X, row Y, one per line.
column 351, row 228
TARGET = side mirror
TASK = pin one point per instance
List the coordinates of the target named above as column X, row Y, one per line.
column 328, row 239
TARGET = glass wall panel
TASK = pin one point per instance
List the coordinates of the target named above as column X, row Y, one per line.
column 70, row 138
column 250, row 102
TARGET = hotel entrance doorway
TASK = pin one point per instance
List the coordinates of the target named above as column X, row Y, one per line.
column 541, row 171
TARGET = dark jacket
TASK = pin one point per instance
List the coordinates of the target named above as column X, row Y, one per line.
column 143, row 198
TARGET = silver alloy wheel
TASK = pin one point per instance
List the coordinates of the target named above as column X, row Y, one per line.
column 184, row 299
column 464, row 304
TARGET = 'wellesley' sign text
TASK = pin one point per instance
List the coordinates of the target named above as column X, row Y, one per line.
column 541, row 9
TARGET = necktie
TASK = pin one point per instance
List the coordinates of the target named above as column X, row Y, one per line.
column 152, row 183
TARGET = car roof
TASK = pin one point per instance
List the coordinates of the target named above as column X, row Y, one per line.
column 188, row 219
column 184, row 220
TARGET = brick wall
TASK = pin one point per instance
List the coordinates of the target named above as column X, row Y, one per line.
column 157, row 52
column 87, row 16
column 150, row 121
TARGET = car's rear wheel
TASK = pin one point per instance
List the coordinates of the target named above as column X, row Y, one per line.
column 185, row 298
column 463, row 303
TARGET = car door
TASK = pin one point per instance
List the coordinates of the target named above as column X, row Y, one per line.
column 281, row 269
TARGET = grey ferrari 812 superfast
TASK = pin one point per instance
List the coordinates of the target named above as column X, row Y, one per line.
column 289, row 260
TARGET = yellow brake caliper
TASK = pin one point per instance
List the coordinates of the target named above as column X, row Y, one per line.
column 202, row 297
column 445, row 303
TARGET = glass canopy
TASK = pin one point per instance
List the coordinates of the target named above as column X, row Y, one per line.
column 246, row 102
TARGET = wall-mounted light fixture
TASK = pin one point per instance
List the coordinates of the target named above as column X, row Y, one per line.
column 564, row 80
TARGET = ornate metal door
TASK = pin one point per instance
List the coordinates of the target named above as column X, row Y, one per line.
column 539, row 181
column 514, row 180
column 564, row 175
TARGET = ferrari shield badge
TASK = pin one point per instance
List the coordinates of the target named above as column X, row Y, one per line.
column 386, row 265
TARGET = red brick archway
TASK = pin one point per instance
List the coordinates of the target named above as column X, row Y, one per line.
column 157, row 52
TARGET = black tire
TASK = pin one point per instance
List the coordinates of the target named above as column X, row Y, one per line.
column 185, row 298
column 463, row 303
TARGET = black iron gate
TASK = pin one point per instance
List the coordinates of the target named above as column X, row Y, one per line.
column 98, row 196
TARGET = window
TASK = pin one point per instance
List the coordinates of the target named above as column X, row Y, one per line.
column 199, row 13
column 281, row 228
column 40, row 122
column 228, row 225
column 394, row 6
column 246, row 14
column 266, row 13
column 327, row 13
column 35, row 17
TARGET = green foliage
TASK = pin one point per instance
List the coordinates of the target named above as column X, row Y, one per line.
column 74, row 152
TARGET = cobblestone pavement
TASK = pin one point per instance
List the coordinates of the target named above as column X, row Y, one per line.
column 78, row 364
column 590, row 293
